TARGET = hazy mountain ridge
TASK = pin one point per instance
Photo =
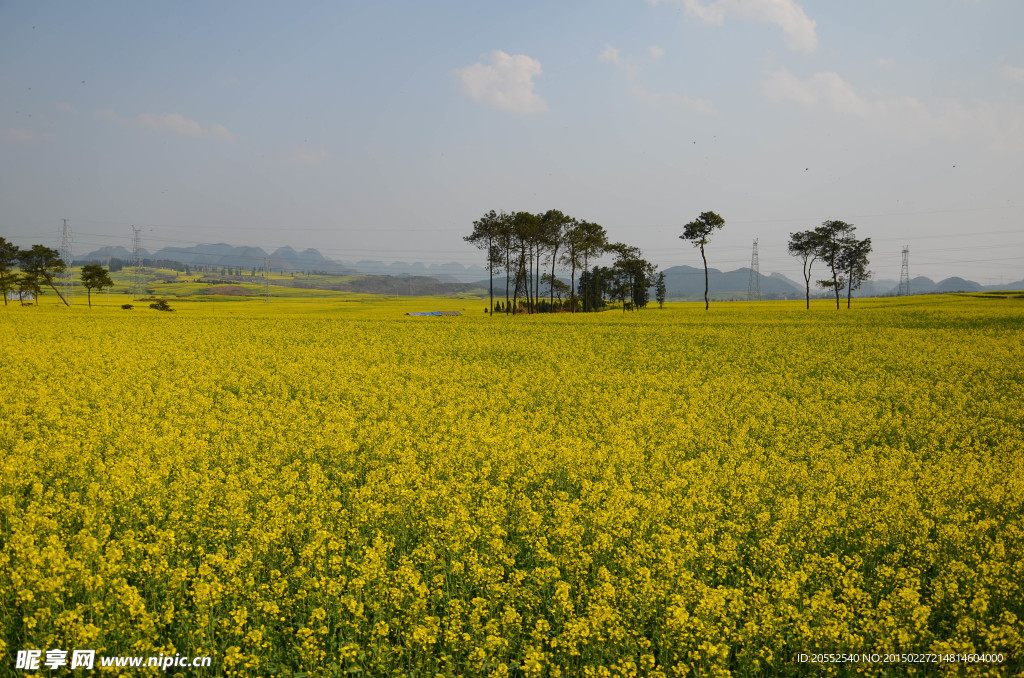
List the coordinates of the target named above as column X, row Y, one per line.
column 687, row 281
column 449, row 272
column 681, row 281
column 288, row 260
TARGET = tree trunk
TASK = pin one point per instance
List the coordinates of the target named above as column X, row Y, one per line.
column 572, row 295
column 515, row 288
column 807, row 280
column 540, row 275
column 536, row 289
column 490, row 270
column 524, row 277
column 88, row 291
column 529, row 282
column 586, row 271
column 522, row 283
column 554, row 258
column 705, row 276
column 849, row 287
column 58, row 294
column 508, row 274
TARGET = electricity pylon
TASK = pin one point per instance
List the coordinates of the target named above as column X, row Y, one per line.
column 904, row 290
column 754, row 286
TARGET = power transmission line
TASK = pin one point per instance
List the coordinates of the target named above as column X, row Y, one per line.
column 266, row 280
column 754, row 286
column 136, row 262
column 67, row 256
column 904, row 290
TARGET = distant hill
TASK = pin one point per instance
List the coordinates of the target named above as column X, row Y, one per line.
column 682, row 282
column 284, row 259
column 922, row 285
column 102, row 254
column 288, row 260
column 687, row 282
column 451, row 272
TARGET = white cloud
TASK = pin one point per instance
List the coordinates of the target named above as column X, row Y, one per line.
column 999, row 125
column 798, row 29
column 174, row 123
column 17, row 137
column 883, row 62
column 506, row 83
column 1014, row 74
column 66, row 107
column 613, row 56
column 656, row 52
column 306, row 156
column 610, row 55
column 825, row 88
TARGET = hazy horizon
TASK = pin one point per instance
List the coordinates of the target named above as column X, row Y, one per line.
column 380, row 131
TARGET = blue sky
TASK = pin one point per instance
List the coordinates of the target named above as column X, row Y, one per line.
column 382, row 130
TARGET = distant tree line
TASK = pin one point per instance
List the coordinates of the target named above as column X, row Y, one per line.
column 115, row 264
column 527, row 247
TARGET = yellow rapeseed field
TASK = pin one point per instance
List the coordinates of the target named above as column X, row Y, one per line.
column 329, row 487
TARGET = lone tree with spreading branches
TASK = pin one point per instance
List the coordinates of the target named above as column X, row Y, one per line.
column 832, row 237
column 698, row 232
column 43, row 263
column 485, row 236
column 853, row 258
column 95, row 277
column 805, row 246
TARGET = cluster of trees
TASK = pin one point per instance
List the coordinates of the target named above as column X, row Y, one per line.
column 525, row 246
column 835, row 244
column 27, row 271
column 628, row 281
column 520, row 244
